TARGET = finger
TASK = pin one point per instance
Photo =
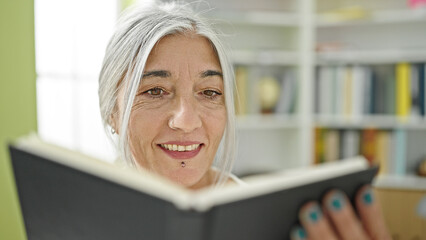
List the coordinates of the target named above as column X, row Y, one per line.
column 342, row 216
column 298, row 233
column 316, row 225
column 370, row 213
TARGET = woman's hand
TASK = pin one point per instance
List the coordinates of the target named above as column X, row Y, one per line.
column 336, row 218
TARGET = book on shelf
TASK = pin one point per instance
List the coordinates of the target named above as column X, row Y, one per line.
column 66, row 195
column 361, row 90
column 422, row 88
column 331, row 145
column 319, row 145
column 358, row 78
column 384, row 148
column 390, row 84
column 347, row 92
column 335, row 90
column 367, row 94
column 383, row 151
column 368, row 144
column 350, row 143
column 325, row 82
column 288, row 93
column 403, row 90
column 400, row 152
column 414, row 90
column 381, row 81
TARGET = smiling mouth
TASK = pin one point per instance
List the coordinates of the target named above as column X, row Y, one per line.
column 181, row 151
column 180, row 148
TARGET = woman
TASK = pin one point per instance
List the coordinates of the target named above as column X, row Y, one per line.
column 154, row 101
column 166, row 91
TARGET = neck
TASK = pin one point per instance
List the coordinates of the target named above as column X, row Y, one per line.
column 206, row 181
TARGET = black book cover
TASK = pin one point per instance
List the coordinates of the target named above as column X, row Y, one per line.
column 62, row 202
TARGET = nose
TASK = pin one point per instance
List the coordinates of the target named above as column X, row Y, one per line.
column 185, row 116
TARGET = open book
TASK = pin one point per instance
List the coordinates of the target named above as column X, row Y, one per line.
column 66, row 195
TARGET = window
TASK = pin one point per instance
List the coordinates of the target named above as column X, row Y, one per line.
column 71, row 37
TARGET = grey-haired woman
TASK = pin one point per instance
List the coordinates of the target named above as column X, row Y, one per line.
column 166, row 93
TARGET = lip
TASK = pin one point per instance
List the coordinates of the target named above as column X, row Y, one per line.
column 183, row 143
column 184, row 154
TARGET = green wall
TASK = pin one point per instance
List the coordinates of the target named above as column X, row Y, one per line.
column 17, row 101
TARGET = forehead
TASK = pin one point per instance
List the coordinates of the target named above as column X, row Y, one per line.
column 183, row 48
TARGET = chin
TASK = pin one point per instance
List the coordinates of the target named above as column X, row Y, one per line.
column 189, row 178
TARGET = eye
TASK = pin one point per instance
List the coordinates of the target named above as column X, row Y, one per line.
column 155, row 92
column 211, row 93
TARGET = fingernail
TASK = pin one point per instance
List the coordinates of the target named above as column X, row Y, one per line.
column 336, row 201
column 367, row 196
column 312, row 214
column 298, row 233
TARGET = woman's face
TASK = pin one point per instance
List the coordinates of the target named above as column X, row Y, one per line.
column 179, row 115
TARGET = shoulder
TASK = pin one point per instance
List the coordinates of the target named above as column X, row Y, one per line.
column 234, row 179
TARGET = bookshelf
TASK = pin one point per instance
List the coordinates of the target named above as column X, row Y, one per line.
column 270, row 40
column 276, row 37
column 376, row 34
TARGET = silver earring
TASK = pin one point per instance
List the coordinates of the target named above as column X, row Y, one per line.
column 113, row 131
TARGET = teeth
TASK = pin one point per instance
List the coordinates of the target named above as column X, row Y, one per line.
column 180, row 148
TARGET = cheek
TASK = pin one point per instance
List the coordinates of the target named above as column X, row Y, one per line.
column 142, row 130
column 215, row 124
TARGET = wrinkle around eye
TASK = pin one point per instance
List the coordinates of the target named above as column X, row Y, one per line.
column 147, row 103
column 215, row 102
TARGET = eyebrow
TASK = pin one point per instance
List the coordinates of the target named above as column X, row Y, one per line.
column 157, row 73
column 165, row 74
column 210, row 73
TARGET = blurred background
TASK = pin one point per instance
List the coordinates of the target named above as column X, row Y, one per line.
column 317, row 81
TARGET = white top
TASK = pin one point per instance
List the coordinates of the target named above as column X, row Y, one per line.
column 234, row 178
column 237, row 180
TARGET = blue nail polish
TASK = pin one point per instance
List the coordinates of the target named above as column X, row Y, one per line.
column 301, row 233
column 314, row 213
column 313, row 216
column 336, row 204
column 298, row 233
column 367, row 197
column 336, row 201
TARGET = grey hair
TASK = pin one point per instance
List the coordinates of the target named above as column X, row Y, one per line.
column 137, row 32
